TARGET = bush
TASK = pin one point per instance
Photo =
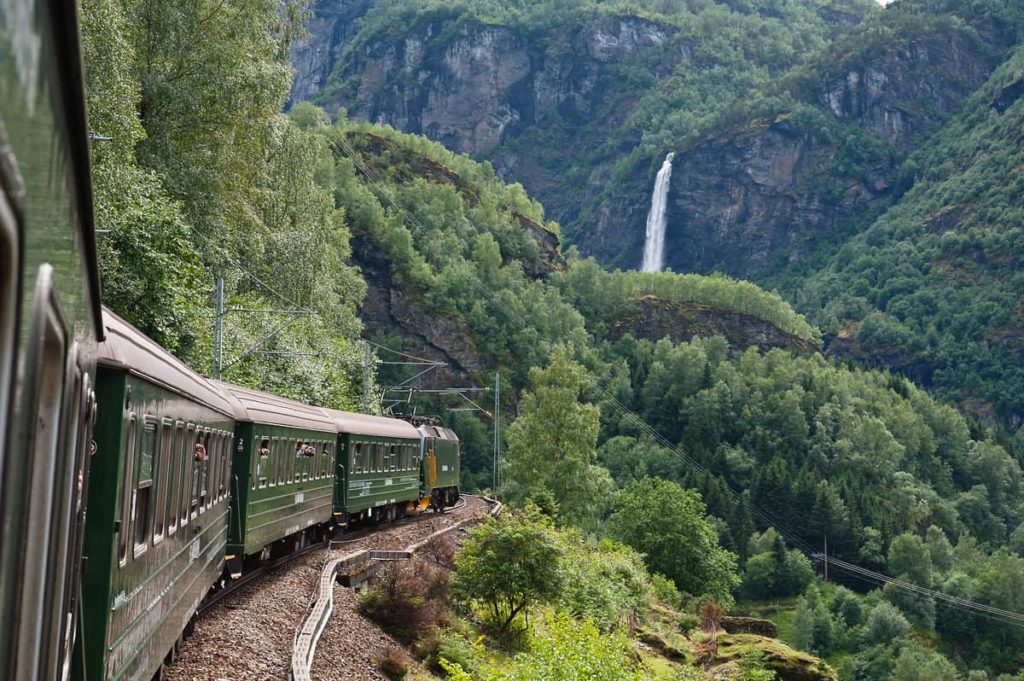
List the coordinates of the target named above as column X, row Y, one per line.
column 393, row 663
column 407, row 598
column 603, row 581
column 665, row 590
column 441, row 550
column 455, row 648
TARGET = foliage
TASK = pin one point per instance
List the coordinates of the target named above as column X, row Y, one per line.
column 205, row 178
column 507, row 565
column 772, row 570
column 551, row 446
column 666, row 523
column 603, row 296
column 393, row 663
column 406, row 598
column 603, row 582
column 563, row 649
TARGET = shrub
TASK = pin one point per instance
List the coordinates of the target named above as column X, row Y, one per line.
column 665, row 590
column 407, row 598
column 393, row 663
column 441, row 550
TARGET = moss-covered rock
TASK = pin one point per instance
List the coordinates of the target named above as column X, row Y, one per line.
column 789, row 664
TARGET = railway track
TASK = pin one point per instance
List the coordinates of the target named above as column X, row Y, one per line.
column 308, row 635
column 247, row 629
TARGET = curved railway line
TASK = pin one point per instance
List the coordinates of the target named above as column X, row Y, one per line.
column 250, row 630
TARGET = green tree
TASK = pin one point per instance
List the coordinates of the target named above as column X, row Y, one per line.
column 666, row 523
column 920, row 664
column 509, row 564
column 552, row 445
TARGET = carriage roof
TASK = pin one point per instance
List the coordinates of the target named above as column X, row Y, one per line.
column 254, row 406
column 367, row 424
column 128, row 349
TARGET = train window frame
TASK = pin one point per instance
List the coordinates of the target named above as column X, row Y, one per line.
column 212, row 465
column 204, row 471
column 275, row 455
column 144, row 488
column 226, row 439
column 127, row 501
column 164, row 449
column 392, row 457
column 174, row 486
column 213, row 457
column 10, row 273
column 187, row 455
column 263, row 481
column 291, row 467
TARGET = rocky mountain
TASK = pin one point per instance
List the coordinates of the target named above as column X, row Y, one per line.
column 796, row 127
column 558, row 101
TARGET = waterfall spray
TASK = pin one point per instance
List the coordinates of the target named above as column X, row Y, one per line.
column 654, row 246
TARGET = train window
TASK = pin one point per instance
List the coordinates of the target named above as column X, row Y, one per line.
column 380, row 457
column 160, row 496
column 213, row 474
column 126, row 491
column 394, row 458
column 222, row 472
column 142, row 511
column 262, row 464
column 174, row 478
column 357, row 455
column 271, row 464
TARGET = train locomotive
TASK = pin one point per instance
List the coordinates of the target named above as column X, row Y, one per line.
column 131, row 486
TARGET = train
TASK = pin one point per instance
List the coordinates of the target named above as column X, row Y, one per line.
column 133, row 487
column 194, row 482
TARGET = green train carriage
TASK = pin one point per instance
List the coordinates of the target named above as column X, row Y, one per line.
column 282, row 484
column 378, row 472
column 158, row 505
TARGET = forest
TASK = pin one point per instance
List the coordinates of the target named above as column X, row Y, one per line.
column 660, row 480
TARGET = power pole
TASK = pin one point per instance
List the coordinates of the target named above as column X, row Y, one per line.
column 218, row 329
column 366, row 378
column 497, row 429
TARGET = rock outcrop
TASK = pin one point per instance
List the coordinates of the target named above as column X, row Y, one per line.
column 681, row 321
column 905, row 93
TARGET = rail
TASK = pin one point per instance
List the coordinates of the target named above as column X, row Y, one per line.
column 308, row 635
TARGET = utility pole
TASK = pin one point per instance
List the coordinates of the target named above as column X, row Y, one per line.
column 497, row 429
column 366, row 378
column 218, row 329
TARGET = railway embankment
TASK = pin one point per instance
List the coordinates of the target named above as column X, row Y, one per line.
column 249, row 634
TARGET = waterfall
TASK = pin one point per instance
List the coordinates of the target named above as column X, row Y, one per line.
column 654, row 246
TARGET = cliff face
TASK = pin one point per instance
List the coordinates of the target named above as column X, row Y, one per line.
column 530, row 101
column 904, row 94
column 758, row 197
column 471, row 85
column 742, row 203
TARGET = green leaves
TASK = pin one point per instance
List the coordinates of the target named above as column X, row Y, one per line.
column 507, row 565
column 667, row 525
column 552, row 445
